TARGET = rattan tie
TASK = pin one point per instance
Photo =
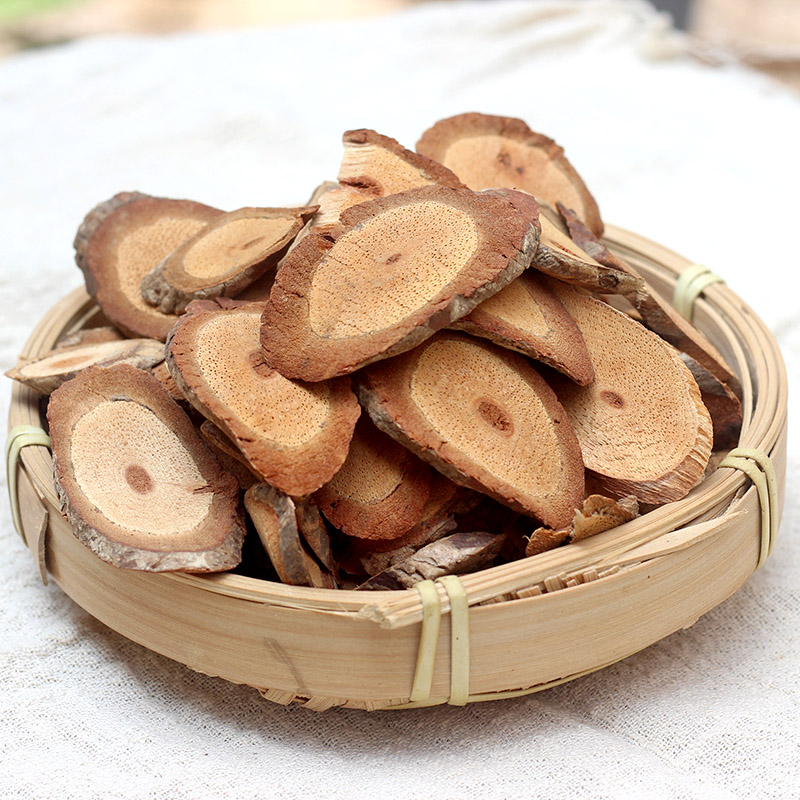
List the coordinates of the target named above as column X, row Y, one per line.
column 19, row 437
column 692, row 281
column 757, row 465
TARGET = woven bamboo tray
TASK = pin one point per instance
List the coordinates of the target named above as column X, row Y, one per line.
column 509, row 630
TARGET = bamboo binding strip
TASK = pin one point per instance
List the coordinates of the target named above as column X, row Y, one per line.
column 341, row 648
column 692, row 282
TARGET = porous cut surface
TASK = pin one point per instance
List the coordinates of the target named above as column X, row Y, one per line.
column 483, row 417
column 488, row 151
column 138, row 485
column 295, row 436
column 224, row 257
column 402, row 267
column 526, row 316
column 121, row 240
column 642, row 426
column 380, row 491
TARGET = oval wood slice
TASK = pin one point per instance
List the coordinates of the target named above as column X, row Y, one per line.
column 137, row 484
column 527, row 317
column 488, row 151
column 642, row 425
column 124, row 238
column 656, row 313
column 294, row 436
column 46, row 373
column 402, row 267
column 274, row 516
column 224, row 257
column 483, row 417
column 380, row 491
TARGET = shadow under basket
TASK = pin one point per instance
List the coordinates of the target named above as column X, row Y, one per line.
column 502, row 632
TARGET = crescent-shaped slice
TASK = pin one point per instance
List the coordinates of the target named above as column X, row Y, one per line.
column 121, row 240
column 224, row 257
column 139, row 487
column 294, row 436
column 527, row 317
column 380, row 491
column 402, row 267
column 642, row 425
column 46, row 373
column 488, row 151
column 485, row 418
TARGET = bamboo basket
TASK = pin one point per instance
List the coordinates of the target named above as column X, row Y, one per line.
column 501, row 632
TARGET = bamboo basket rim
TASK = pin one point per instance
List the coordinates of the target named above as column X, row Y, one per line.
column 764, row 395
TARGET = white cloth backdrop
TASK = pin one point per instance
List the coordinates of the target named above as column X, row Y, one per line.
column 703, row 159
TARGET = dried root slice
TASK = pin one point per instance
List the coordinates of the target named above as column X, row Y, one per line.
column 380, row 491
column 139, row 487
column 454, row 555
column 373, row 166
column 487, row 151
column 121, row 240
column 722, row 404
column 379, row 165
column 642, row 425
column 403, row 267
column 527, row 317
column 295, row 437
column 483, row 417
column 46, row 373
column 656, row 313
column 598, row 514
column 105, row 333
column 274, row 516
column 224, row 257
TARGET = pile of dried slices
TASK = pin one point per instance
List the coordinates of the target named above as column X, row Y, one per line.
column 434, row 366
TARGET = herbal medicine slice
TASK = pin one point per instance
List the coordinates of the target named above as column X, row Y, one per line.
column 485, row 418
column 224, row 257
column 294, row 436
column 380, row 491
column 402, row 267
column 642, row 425
column 527, row 317
column 124, row 238
column 488, row 151
column 139, row 487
